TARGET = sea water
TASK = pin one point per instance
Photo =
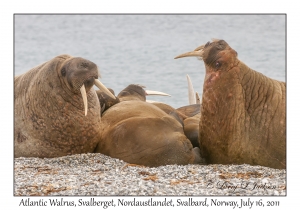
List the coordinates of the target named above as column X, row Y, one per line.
column 140, row 48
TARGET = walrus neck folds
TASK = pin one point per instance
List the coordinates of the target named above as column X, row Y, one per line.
column 253, row 82
column 243, row 104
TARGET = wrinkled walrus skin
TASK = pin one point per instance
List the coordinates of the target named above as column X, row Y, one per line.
column 49, row 110
column 141, row 133
column 243, row 113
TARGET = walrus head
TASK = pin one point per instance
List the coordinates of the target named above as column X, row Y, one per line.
column 137, row 92
column 219, row 58
column 79, row 75
column 217, row 55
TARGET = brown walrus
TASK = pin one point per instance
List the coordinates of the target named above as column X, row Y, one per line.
column 141, row 133
column 137, row 92
column 184, row 115
column 243, row 112
column 50, row 104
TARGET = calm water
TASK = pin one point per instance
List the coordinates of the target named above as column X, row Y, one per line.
column 140, row 49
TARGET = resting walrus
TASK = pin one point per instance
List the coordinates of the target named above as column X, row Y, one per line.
column 141, row 133
column 243, row 112
column 50, row 103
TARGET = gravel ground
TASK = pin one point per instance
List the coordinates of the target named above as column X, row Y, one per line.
column 96, row 174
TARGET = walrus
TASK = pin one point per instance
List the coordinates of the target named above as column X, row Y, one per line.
column 137, row 92
column 56, row 110
column 184, row 115
column 141, row 133
column 243, row 112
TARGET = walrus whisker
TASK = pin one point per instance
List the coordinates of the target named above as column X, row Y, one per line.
column 153, row 92
column 84, row 97
column 192, row 99
column 103, row 88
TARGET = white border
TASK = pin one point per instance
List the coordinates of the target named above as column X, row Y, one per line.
column 8, row 8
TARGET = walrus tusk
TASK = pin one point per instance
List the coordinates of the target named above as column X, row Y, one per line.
column 103, row 88
column 153, row 92
column 191, row 54
column 192, row 99
column 150, row 101
column 197, row 98
column 83, row 94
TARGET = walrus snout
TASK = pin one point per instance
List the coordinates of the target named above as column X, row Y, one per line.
column 88, row 84
column 91, row 82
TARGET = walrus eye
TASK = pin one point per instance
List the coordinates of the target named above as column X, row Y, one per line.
column 217, row 65
column 63, row 72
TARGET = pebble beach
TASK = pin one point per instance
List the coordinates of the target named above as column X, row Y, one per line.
column 95, row 174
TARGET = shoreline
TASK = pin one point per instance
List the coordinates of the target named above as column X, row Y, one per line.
column 95, row 174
